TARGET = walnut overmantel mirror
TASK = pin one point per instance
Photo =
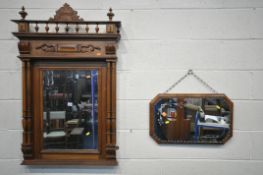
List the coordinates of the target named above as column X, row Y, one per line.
column 69, row 89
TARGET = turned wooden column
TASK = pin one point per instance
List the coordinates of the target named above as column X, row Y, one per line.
column 113, row 103
column 108, row 117
column 111, row 110
column 27, row 144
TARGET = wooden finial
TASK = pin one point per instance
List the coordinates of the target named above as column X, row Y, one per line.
column 23, row 13
column 110, row 14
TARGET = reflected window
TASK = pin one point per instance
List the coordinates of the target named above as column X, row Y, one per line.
column 70, row 109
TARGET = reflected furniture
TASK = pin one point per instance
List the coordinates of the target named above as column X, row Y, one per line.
column 223, row 127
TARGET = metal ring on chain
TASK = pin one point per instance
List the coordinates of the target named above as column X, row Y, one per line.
column 191, row 72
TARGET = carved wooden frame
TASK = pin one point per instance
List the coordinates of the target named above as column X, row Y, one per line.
column 74, row 47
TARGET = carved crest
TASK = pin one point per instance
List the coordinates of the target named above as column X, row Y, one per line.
column 66, row 13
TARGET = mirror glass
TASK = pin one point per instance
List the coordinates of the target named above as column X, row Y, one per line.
column 192, row 119
column 70, row 109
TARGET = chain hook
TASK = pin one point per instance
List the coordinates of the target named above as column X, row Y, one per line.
column 190, row 72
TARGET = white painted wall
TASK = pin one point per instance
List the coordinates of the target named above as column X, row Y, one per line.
column 222, row 40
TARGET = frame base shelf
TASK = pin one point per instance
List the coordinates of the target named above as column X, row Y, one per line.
column 112, row 162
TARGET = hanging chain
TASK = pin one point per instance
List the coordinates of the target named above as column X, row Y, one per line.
column 178, row 81
column 189, row 73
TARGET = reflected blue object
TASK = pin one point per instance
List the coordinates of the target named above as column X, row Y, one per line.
column 70, row 109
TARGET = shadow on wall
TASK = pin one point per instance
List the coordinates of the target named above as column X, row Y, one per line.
column 73, row 169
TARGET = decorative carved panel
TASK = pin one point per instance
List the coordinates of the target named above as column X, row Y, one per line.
column 78, row 48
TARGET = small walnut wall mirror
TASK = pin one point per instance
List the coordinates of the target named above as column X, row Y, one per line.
column 69, row 89
column 191, row 118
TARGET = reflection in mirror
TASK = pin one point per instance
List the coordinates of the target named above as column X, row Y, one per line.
column 70, row 115
column 192, row 119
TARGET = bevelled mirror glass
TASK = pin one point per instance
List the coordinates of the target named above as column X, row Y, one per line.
column 196, row 118
column 70, row 114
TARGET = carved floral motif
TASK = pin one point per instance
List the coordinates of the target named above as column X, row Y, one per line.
column 47, row 47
